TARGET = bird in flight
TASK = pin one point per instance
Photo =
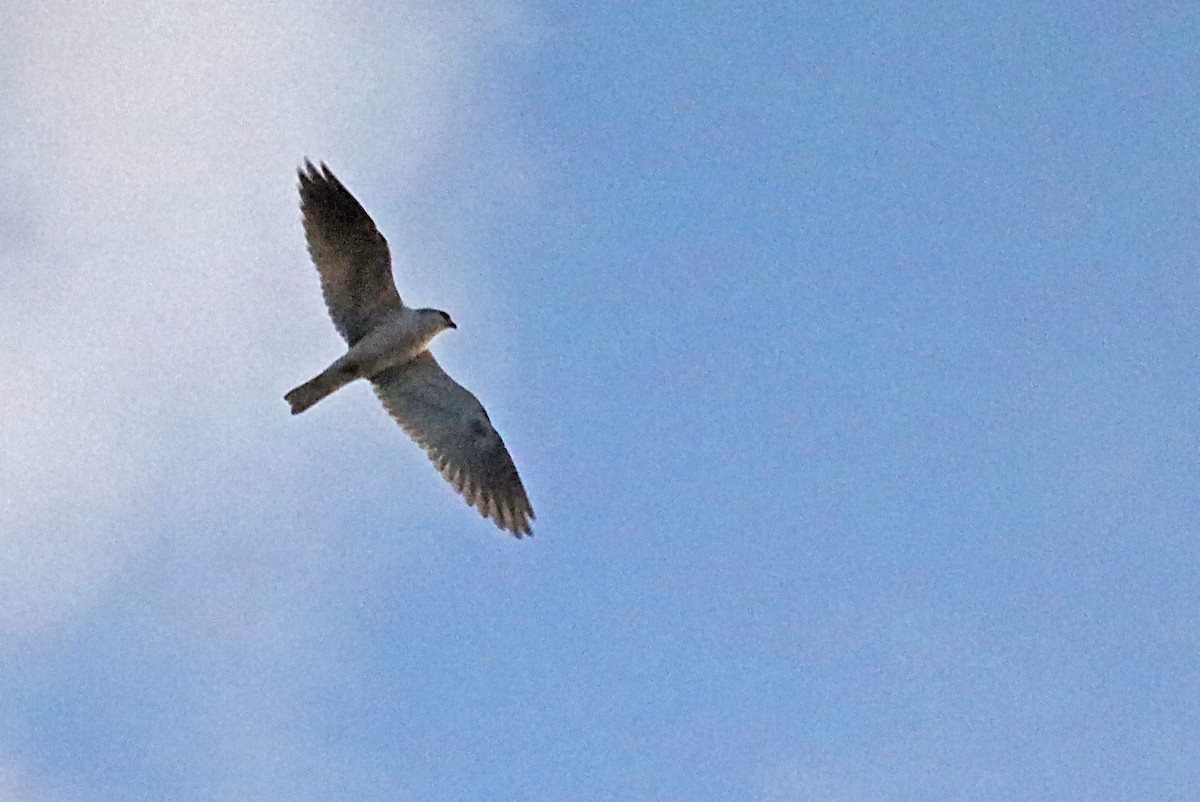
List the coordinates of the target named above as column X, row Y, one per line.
column 389, row 346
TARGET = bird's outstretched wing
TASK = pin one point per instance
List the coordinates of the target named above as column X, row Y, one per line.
column 451, row 425
column 349, row 252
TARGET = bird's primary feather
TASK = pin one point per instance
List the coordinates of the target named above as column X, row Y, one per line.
column 349, row 252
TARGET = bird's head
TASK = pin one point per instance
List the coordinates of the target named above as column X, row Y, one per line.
column 440, row 319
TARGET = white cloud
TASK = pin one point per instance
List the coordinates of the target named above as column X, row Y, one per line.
column 154, row 289
column 16, row 787
column 156, row 300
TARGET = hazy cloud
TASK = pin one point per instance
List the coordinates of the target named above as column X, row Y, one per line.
column 150, row 287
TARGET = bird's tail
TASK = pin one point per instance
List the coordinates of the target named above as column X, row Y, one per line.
column 314, row 390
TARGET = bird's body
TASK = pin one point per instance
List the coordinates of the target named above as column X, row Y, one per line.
column 399, row 336
column 388, row 345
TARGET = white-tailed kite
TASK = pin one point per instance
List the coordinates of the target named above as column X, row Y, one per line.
column 389, row 345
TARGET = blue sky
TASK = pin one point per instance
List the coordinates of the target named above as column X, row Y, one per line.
column 848, row 354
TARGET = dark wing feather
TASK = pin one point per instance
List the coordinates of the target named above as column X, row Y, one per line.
column 349, row 252
column 451, row 425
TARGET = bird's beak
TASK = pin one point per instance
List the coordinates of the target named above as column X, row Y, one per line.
column 452, row 324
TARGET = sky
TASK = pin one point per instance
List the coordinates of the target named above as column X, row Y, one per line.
column 847, row 352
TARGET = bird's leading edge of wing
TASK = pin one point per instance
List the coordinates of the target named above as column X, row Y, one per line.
column 349, row 252
column 445, row 419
